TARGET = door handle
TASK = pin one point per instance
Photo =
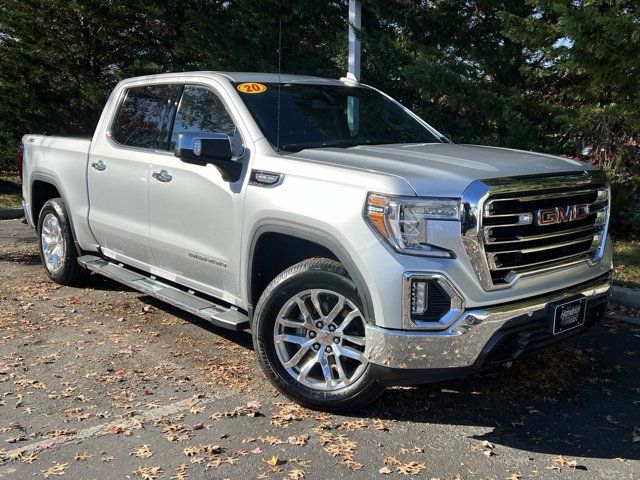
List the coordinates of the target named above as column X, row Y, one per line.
column 99, row 165
column 162, row 176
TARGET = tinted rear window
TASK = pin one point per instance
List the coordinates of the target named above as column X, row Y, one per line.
column 145, row 115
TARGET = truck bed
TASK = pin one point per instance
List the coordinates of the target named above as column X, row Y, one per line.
column 61, row 161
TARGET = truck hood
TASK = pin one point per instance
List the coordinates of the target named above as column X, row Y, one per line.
column 443, row 169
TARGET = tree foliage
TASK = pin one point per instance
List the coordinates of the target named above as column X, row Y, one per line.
column 551, row 75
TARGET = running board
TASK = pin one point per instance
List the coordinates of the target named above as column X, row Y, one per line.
column 227, row 317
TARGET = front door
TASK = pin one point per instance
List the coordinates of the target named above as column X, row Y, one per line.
column 195, row 217
column 118, row 176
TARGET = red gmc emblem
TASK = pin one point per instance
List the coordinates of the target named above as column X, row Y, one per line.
column 569, row 213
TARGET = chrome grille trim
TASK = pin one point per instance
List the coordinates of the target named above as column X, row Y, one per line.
column 557, row 262
column 546, row 247
column 521, row 245
column 541, row 196
column 531, row 238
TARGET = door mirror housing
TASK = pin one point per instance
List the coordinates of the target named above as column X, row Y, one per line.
column 205, row 148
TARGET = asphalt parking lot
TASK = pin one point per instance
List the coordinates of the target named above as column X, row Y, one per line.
column 102, row 382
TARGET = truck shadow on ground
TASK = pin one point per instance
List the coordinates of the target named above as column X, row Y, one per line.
column 23, row 257
column 104, row 284
column 580, row 399
column 242, row 338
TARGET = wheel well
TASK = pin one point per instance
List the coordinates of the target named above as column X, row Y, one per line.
column 40, row 193
column 274, row 253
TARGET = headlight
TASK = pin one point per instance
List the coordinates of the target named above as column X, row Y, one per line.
column 403, row 221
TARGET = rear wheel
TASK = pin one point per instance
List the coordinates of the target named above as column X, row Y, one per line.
column 309, row 335
column 57, row 248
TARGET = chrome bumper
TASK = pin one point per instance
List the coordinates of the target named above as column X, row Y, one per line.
column 463, row 342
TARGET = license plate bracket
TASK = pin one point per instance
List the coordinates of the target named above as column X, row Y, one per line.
column 567, row 315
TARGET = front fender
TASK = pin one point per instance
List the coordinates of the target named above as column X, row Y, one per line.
column 314, row 235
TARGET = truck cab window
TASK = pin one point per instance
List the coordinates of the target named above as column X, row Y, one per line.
column 201, row 110
column 144, row 114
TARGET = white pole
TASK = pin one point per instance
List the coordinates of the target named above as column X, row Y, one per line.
column 354, row 42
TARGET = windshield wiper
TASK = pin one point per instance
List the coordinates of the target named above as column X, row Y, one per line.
column 296, row 147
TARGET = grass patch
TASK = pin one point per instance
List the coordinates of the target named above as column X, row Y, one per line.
column 10, row 190
column 626, row 263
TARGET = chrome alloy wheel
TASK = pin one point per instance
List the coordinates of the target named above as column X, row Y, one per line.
column 53, row 247
column 319, row 337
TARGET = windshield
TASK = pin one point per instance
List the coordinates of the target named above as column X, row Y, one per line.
column 316, row 116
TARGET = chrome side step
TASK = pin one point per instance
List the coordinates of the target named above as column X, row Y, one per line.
column 219, row 315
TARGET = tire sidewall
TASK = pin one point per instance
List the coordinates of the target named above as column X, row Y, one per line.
column 57, row 208
column 264, row 320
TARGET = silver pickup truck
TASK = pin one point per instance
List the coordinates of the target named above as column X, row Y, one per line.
column 360, row 246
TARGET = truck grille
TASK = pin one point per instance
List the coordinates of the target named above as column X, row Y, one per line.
column 538, row 225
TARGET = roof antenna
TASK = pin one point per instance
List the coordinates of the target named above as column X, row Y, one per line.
column 279, row 84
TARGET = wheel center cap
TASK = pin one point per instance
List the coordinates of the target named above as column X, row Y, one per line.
column 325, row 337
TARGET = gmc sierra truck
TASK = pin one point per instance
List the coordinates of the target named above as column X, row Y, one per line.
column 359, row 246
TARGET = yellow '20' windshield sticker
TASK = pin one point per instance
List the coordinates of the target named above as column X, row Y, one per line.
column 251, row 87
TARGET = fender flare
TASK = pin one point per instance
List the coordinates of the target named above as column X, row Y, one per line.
column 314, row 235
column 50, row 179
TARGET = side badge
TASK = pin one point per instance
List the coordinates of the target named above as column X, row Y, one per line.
column 265, row 179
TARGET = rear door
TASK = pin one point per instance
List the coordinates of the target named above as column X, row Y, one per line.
column 195, row 217
column 118, row 175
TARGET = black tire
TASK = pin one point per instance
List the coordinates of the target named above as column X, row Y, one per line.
column 70, row 272
column 315, row 273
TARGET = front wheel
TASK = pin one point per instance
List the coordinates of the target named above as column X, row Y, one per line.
column 309, row 335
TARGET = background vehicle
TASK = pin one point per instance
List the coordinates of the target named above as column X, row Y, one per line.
column 358, row 244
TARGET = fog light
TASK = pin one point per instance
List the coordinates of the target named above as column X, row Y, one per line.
column 419, row 298
column 429, row 301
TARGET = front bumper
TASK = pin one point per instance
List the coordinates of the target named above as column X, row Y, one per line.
column 479, row 338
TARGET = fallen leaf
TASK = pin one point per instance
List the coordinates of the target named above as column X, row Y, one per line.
column 143, row 452
column 411, row 468
column 114, row 429
column 199, row 449
column 82, row 456
column 149, row 473
column 296, row 474
column 28, row 458
column 55, row 469
column 612, row 420
column 298, row 440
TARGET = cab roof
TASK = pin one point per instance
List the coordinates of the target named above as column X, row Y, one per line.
column 277, row 78
column 248, row 77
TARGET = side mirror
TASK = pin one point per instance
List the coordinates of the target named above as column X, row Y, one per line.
column 204, row 148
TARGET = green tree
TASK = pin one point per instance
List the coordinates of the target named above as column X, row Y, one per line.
column 587, row 57
column 550, row 75
column 59, row 59
column 451, row 62
column 244, row 35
